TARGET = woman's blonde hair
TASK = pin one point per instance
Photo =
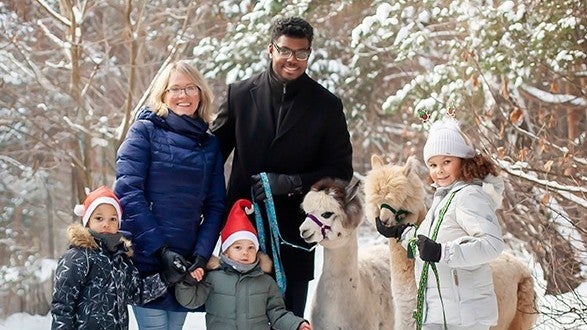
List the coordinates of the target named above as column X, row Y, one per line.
column 156, row 102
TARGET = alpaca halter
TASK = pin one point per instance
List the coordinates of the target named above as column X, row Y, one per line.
column 323, row 227
column 399, row 215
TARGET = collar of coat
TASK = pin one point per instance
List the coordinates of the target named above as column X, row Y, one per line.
column 493, row 186
column 81, row 237
column 292, row 87
column 185, row 125
column 265, row 262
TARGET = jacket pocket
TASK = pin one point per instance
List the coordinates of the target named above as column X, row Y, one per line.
column 475, row 291
column 257, row 306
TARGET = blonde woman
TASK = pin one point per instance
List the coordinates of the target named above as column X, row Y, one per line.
column 170, row 181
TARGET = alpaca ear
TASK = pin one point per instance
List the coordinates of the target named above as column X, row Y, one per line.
column 352, row 189
column 353, row 205
column 376, row 161
column 411, row 165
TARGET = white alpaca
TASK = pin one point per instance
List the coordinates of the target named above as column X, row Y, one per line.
column 353, row 291
column 400, row 188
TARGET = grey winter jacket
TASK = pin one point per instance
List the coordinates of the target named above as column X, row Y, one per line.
column 237, row 300
column 471, row 237
column 93, row 286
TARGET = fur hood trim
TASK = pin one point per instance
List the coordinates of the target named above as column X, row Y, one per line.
column 264, row 262
column 494, row 187
column 80, row 236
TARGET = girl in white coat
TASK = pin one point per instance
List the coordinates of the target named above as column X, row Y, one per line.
column 459, row 236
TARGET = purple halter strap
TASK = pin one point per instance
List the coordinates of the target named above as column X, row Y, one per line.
column 322, row 226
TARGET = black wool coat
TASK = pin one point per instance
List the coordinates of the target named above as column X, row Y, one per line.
column 312, row 141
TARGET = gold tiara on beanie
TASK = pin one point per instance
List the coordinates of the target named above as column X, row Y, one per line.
column 424, row 114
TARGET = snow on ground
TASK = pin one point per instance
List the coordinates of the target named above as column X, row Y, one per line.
column 196, row 321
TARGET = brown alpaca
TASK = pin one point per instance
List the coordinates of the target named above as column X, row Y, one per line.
column 401, row 188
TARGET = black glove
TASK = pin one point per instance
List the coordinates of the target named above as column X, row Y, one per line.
column 280, row 184
column 199, row 262
column 173, row 266
column 394, row 231
column 429, row 249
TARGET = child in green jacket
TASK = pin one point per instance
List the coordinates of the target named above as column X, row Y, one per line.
column 237, row 291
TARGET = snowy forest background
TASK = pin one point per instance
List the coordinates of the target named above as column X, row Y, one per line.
column 74, row 72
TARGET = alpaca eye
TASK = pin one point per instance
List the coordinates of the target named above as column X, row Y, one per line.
column 327, row 215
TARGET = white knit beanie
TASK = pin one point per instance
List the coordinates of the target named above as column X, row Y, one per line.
column 445, row 138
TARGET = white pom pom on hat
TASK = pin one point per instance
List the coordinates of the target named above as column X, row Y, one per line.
column 238, row 226
column 445, row 138
column 102, row 195
column 79, row 210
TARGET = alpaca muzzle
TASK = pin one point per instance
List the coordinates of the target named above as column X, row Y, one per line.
column 308, row 234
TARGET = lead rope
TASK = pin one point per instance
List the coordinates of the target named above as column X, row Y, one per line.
column 275, row 235
column 273, row 230
column 418, row 314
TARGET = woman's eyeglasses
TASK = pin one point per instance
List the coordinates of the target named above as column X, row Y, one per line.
column 300, row 55
column 189, row 90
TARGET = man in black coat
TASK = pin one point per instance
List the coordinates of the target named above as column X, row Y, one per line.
column 284, row 123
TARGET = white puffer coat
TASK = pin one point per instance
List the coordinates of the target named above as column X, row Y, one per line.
column 471, row 237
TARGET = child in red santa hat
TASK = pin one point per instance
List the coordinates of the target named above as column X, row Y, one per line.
column 95, row 279
column 237, row 291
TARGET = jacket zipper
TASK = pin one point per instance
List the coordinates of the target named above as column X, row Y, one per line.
column 455, row 277
column 279, row 115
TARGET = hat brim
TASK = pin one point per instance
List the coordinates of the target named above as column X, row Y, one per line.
column 238, row 235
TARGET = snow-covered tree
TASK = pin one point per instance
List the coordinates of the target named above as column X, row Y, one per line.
column 71, row 73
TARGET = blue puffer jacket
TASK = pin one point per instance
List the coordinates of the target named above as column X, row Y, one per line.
column 170, row 181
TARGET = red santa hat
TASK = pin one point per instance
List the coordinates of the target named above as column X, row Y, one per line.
column 102, row 195
column 238, row 225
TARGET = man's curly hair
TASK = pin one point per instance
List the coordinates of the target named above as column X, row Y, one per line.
column 294, row 27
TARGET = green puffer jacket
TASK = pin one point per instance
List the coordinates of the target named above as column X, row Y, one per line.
column 237, row 300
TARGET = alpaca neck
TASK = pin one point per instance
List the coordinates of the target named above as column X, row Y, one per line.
column 398, row 253
column 342, row 259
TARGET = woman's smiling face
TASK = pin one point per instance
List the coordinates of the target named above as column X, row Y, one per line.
column 178, row 96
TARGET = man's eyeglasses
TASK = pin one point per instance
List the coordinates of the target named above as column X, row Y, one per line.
column 300, row 55
column 189, row 90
